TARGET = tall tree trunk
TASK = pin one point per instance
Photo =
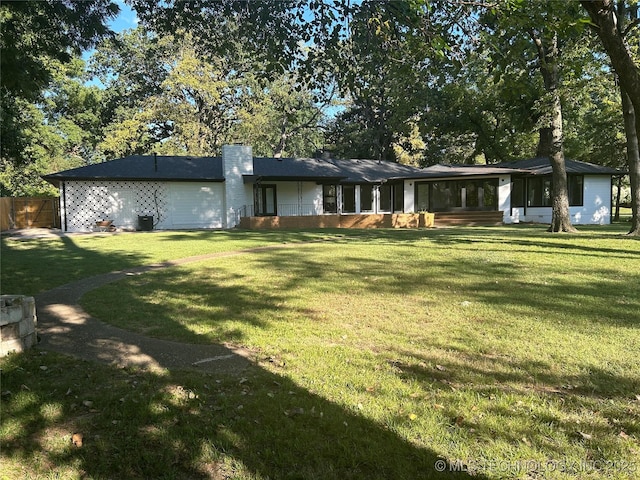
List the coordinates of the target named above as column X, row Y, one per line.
column 551, row 138
column 633, row 159
column 544, row 142
column 603, row 16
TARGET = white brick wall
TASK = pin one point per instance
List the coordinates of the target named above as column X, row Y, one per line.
column 237, row 160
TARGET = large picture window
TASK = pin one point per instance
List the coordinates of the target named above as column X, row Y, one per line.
column 539, row 191
column 445, row 196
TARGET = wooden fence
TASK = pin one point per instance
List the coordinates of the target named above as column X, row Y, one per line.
column 29, row 212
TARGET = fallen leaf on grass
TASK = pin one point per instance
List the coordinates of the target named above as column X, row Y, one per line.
column 440, row 367
column 458, row 420
column 412, row 416
column 585, row 436
column 623, row 434
column 438, row 406
column 76, row 439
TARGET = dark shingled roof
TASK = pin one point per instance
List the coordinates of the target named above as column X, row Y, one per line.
column 209, row 169
column 542, row 166
column 147, row 167
column 315, row 169
column 449, row 171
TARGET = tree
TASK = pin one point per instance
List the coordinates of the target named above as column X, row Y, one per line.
column 167, row 96
column 547, row 30
column 34, row 35
column 281, row 119
column 607, row 23
column 59, row 133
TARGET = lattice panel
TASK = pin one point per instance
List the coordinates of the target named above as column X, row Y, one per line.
column 88, row 202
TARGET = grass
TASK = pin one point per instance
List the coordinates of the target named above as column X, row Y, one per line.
column 506, row 352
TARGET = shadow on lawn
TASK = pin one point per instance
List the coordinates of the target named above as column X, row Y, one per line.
column 140, row 424
column 188, row 425
column 531, row 403
column 52, row 262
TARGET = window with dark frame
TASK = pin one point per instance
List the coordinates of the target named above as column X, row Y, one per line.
column 348, row 198
column 517, row 193
column 330, row 198
column 366, row 198
column 539, row 191
column 265, row 201
column 398, row 197
column 384, row 198
column 576, row 190
column 421, row 197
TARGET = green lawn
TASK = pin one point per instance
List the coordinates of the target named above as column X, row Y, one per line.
column 506, row 352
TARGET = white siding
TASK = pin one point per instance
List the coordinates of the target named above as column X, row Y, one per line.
column 195, row 205
column 237, row 160
column 596, row 207
column 509, row 215
column 86, row 202
column 409, row 197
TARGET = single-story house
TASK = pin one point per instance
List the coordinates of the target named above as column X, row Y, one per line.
column 181, row 192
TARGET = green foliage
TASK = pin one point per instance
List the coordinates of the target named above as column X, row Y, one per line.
column 61, row 132
column 193, row 103
column 36, row 36
column 504, row 350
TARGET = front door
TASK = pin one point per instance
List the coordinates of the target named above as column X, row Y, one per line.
column 265, row 200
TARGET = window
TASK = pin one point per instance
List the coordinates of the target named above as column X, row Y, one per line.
column 265, row 200
column 398, row 197
column 349, row 198
column 490, row 194
column 384, row 198
column 445, row 196
column 330, row 198
column 472, row 195
column 539, row 192
column 422, row 197
column 517, row 192
column 366, row 198
column 576, row 188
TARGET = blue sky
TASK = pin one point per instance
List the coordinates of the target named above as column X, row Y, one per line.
column 126, row 20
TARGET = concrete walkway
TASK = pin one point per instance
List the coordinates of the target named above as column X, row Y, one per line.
column 63, row 326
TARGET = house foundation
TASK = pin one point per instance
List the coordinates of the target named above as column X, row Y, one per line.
column 386, row 220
